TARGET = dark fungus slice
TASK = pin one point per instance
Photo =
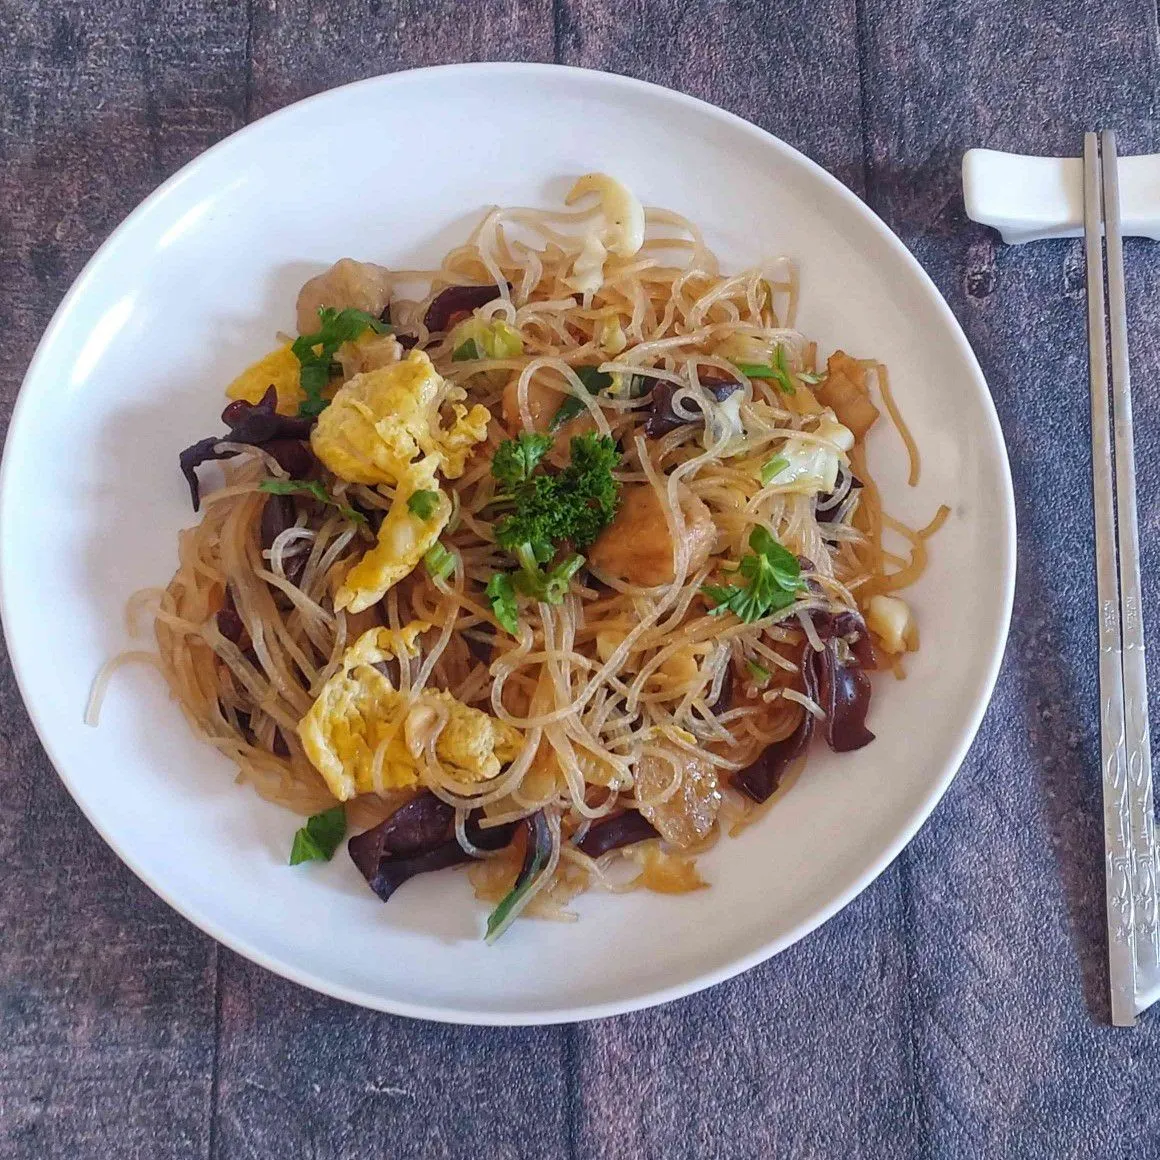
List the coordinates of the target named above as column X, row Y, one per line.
column 849, row 627
column 259, row 422
column 193, row 457
column 844, row 694
column 259, row 425
column 611, row 833
column 229, row 622
column 760, row 779
column 725, row 697
column 293, row 456
column 830, row 514
column 457, row 300
column 278, row 514
column 418, row 837
column 663, row 418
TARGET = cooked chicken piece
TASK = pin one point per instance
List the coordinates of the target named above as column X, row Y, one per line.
column 543, row 403
column 636, row 548
column 846, row 392
column 347, row 283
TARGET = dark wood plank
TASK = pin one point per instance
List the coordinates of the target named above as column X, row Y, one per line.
column 791, row 67
column 303, row 1075
column 1005, row 883
column 808, row 1055
column 301, row 47
column 106, row 996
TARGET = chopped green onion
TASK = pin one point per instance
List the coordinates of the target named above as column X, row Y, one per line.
column 772, row 468
column 439, row 561
column 758, row 672
column 536, row 858
column 423, row 504
column 466, row 352
column 756, row 370
column 319, row 838
column 810, row 378
column 504, row 605
column 778, row 373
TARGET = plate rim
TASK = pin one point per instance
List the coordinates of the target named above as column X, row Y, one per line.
column 701, row 981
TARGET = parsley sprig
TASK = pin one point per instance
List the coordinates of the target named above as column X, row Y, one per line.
column 775, row 579
column 314, row 489
column 545, row 512
column 316, row 351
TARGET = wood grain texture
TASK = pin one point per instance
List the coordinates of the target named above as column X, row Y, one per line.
column 956, row 1008
column 107, row 999
column 1005, row 887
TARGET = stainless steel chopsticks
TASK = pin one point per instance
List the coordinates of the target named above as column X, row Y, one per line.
column 1129, row 829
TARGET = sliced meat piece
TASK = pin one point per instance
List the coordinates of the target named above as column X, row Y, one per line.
column 637, row 548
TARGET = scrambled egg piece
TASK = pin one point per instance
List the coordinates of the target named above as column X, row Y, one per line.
column 402, row 541
column 383, row 427
column 381, row 422
column 279, row 369
column 359, row 716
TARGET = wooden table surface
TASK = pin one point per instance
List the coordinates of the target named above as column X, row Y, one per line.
column 957, row 1008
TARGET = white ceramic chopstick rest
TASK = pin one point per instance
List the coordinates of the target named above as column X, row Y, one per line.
column 1029, row 198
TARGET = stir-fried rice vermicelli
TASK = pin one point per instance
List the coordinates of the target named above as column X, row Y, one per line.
column 551, row 561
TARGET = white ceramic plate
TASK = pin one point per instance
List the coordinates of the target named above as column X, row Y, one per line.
column 194, row 285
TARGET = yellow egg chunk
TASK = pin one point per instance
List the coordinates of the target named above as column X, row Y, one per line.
column 381, row 422
column 279, row 369
column 402, row 540
column 364, row 736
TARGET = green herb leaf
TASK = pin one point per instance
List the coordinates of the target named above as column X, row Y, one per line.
column 439, row 561
column 594, row 381
column 423, row 503
column 758, row 672
column 568, row 410
column 504, row 605
column 774, row 575
column 319, row 838
column 772, row 468
column 315, row 352
column 516, row 459
column 312, row 488
column 536, row 858
column 466, row 352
